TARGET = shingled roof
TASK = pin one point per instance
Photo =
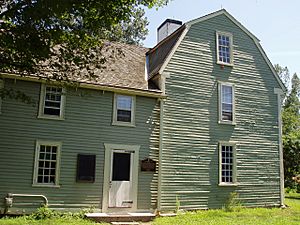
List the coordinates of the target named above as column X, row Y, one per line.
column 124, row 66
column 161, row 51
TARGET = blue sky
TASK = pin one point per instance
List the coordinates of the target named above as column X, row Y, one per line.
column 275, row 22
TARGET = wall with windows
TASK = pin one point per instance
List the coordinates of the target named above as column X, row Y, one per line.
column 219, row 139
column 39, row 148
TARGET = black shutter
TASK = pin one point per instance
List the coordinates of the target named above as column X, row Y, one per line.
column 86, row 168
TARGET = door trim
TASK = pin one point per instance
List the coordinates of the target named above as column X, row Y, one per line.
column 107, row 168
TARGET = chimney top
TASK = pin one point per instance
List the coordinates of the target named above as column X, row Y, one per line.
column 167, row 28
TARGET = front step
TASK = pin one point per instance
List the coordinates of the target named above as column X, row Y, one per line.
column 124, row 217
column 125, row 223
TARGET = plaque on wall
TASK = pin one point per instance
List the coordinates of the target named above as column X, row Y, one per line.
column 148, row 165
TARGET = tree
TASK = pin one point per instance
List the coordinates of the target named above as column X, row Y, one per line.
column 291, row 132
column 31, row 29
column 290, row 126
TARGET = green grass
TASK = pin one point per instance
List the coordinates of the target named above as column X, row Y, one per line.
column 53, row 221
column 288, row 216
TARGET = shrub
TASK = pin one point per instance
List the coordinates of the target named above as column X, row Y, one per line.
column 232, row 204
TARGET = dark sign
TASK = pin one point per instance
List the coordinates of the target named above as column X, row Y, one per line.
column 148, row 165
column 86, row 168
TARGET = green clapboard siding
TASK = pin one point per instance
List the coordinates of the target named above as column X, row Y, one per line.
column 87, row 126
column 191, row 130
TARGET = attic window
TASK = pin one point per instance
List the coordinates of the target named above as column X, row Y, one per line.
column 124, row 106
column 224, row 48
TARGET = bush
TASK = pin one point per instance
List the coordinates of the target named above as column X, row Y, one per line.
column 45, row 213
column 232, row 204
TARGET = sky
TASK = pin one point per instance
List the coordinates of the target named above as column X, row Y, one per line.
column 276, row 23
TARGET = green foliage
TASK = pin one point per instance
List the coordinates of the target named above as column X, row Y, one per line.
column 29, row 30
column 45, row 213
column 177, row 204
column 291, row 134
column 233, row 203
column 291, row 127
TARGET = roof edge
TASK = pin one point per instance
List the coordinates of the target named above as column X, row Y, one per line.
column 223, row 12
column 166, row 39
column 264, row 55
column 125, row 90
column 171, row 53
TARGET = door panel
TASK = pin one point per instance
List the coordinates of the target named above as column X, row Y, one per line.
column 120, row 192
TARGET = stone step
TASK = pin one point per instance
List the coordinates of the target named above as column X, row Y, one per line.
column 122, row 218
column 125, row 223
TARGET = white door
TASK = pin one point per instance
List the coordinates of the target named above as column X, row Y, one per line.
column 120, row 186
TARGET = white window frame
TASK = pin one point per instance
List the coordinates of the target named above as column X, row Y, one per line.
column 230, row 47
column 1, row 87
column 221, row 121
column 122, row 123
column 42, row 104
column 234, row 163
column 36, row 166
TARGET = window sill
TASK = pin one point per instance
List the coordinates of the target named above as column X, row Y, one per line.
column 50, row 117
column 225, row 64
column 228, row 184
column 227, row 122
column 124, row 124
column 46, row 185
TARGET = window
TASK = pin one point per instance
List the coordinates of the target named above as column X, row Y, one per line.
column 1, row 93
column 227, row 163
column 224, row 48
column 226, row 103
column 124, row 106
column 52, row 102
column 46, row 170
column 86, row 168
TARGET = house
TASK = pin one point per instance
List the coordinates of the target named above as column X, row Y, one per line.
column 190, row 120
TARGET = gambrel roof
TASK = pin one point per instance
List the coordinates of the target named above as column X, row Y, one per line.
column 169, row 45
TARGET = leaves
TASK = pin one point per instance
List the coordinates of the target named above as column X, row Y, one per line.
column 30, row 30
column 291, row 132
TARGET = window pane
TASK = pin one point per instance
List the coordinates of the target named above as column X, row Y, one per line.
column 227, row 164
column 121, row 166
column 224, row 48
column 46, row 170
column 227, row 102
column 124, row 102
column 50, row 111
column 124, row 115
column 52, row 104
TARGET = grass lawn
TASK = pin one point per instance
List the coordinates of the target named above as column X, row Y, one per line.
column 52, row 221
column 290, row 215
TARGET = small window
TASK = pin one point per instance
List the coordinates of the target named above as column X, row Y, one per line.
column 1, row 93
column 46, row 170
column 224, row 48
column 226, row 103
column 86, row 168
column 51, row 102
column 124, row 110
column 227, row 161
